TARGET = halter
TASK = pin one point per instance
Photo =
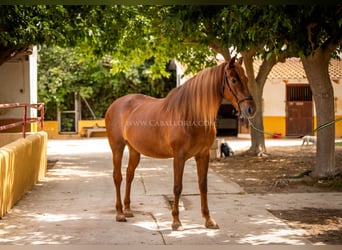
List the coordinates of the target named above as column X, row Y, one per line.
column 226, row 82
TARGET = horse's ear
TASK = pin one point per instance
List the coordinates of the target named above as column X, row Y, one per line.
column 240, row 60
column 232, row 62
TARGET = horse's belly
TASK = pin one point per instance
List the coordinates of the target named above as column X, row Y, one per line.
column 148, row 140
column 149, row 145
column 167, row 141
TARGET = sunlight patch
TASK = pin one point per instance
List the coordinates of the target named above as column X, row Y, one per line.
column 149, row 225
column 56, row 217
column 283, row 236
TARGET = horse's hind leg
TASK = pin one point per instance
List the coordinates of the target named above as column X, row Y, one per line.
column 117, row 150
column 134, row 158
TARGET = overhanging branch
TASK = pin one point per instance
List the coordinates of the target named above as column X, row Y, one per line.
column 7, row 53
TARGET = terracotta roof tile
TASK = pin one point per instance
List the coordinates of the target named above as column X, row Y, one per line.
column 293, row 69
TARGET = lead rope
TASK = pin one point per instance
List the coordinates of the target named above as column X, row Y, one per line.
column 313, row 131
column 307, row 172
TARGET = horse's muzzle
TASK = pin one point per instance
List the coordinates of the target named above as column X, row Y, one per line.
column 248, row 108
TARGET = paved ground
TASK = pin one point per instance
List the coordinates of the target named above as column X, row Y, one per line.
column 74, row 204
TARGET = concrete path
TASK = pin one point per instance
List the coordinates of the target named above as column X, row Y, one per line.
column 74, row 204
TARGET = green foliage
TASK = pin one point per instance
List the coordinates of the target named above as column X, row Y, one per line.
column 313, row 26
column 63, row 72
column 117, row 47
column 156, row 32
column 25, row 25
column 133, row 34
column 254, row 27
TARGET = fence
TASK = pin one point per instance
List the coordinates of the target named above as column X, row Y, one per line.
column 25, row 120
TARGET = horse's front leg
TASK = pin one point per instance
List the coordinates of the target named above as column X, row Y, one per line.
column 178, row 169
column 202, row 161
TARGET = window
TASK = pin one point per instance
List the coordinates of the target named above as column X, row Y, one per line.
column 298, row 93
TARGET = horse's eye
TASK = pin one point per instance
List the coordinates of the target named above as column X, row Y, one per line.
column 234, row 81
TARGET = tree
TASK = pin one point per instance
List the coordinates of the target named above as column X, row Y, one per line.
column 250, row 30
column 316, row 36
column 63, row 72
column 97, row 32
column 254, row 31
column 312, row 32
column 152, row 31
column 23, row 26
column 274, row 33
column 133, row 34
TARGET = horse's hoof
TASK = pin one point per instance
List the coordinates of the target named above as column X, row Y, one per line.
column 121, row 218
column 211, row 225
column 177, row 227
column 128, row 214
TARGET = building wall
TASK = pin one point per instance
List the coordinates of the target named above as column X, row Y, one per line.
column 274, row 98
column 338, row 97
column 274, row 105
column 33, row 78
column 18, row 81
column 337, row 85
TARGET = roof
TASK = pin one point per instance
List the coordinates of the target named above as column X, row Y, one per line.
column 293, row 69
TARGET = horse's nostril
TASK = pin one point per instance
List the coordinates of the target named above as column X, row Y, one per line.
column 251, row 110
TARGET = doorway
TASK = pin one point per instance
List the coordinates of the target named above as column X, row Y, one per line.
column 69, row 115
column 299, row 110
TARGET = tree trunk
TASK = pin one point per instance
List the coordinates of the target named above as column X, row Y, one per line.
column 258, row 140
column 256, row 87
column 316, row 69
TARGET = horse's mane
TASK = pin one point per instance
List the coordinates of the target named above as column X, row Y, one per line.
column 198, row 99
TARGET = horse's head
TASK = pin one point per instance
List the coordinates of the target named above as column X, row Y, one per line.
column 235, row 89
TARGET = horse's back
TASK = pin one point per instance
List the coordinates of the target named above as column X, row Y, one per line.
column 118, row 112
column 126, row 103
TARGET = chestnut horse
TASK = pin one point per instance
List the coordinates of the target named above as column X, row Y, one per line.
column 179, row 126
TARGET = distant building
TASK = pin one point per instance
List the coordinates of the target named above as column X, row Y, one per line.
column 18, row 82
column 288, row 107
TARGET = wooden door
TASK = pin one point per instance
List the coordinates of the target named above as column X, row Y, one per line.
column 299, row 110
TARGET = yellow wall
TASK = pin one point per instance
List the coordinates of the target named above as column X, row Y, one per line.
column 51, row 128
column 6, row 138
column 338, row 127
column 277, row 124
column 91, row 123
column 274, row 125
column 22, row 163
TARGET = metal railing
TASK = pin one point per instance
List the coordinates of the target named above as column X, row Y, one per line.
column 25, row 120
